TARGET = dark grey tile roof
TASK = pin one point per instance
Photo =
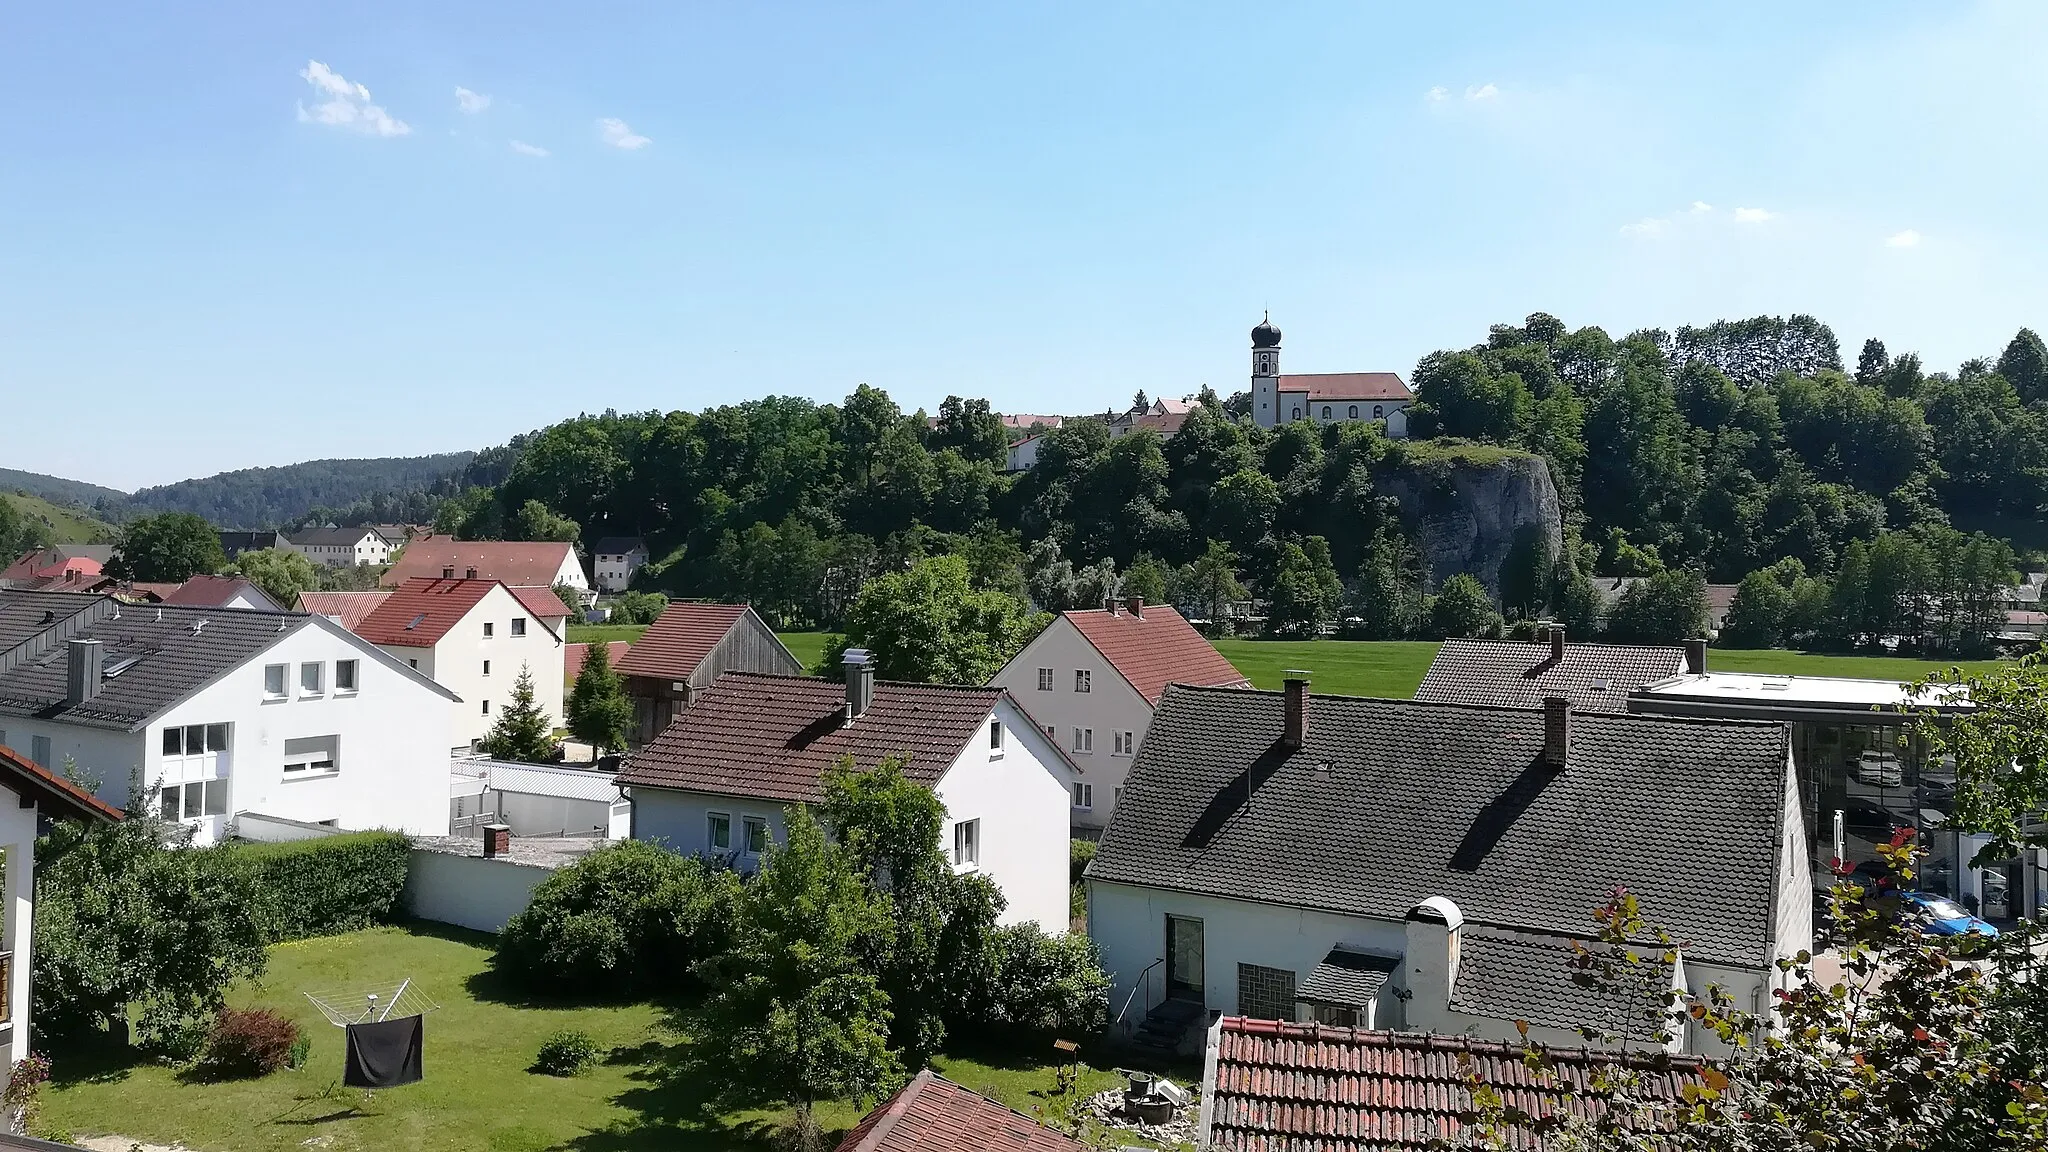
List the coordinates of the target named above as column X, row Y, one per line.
column 1518, row 674
column 1509, row 975
column 616, row 545
column 1390, row 802
column 24, row 614
column 1347, row 978
column 171, row 658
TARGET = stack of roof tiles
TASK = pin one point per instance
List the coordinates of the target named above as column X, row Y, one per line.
column 933, row 1114
column 1284, row 1087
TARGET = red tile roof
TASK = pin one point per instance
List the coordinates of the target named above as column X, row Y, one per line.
column 1156, row 650
column 773, row 737
column 30, row 780
column 573, row 656
column 542, row 602
column 155, row 590
column 933, row 1114
column 1348, row 386
column 205, row 591
column 420, row 612
column 349, row 608
column 675, row 645
column 513, row 561
column 1282, row 1087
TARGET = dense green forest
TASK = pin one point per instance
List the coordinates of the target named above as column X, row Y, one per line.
column 1706, row 454
column 57, row 490
column 393, row 489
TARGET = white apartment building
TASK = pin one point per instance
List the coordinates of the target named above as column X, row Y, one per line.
column 472, row 637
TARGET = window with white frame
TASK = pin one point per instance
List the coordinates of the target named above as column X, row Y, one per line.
column 1084, row 795
column 312, row 678
column 1045, row 679
column 1084, row 739
column 345, row 675
column 487, row 629
column 1082, row 680
column 1124, row 741
column 274, row 680
column 311, row 756
column 519, row 625
column 193, row 800
column 967, row 843
column 718, row 831
column 995, row 737
column 195, row 739
column 757, row 834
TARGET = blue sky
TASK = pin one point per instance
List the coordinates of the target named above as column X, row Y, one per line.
column 220, row 253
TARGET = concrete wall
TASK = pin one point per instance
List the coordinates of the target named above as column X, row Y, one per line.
column 470, row 891
column 1110, row 706
column 531, row 815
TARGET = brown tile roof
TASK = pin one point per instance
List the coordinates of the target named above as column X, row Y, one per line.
column 1156, row 650
column 32, row 781
column 773, row 737
column 422, row 611
column 514, row 562
column 1348, row 386
column 933, row 1114
column 156, row 591
column 573, row 656
column 204, row 591
column 675, row 645
column 347, row 608
column 1520, row 674
column 542, row 602
column 1284, row 1087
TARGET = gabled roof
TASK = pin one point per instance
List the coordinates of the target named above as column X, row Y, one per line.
column 51, row 792
column 1520, row 674
column 346, row 608
column 1390, row 802
column 1347, row 385
column 676, row 644
column 933, row 1114
column 1504, row 974
column 617, row 545
column 542, row 602
column 1285, row 1087
column 206, row 591
column 573, row 656
column 422, row 611
column 514, row 562
column 1154, row 650
column 87, row 558
column 333, row 537
column 773, row 737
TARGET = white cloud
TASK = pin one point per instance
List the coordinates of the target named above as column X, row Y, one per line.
column 347, row 106
column 1699, row 206
column 1647, row 226
column 1481, row 92
column 471, row 102
column 1753, row 215
column 1906, row 239
column 1437, row 93
column 525, row 149
column 618, row 135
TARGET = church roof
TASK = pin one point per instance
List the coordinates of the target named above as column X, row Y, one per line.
column 1348, row 386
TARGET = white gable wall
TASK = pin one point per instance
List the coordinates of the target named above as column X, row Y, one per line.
column 1020, row 795
column 1110, row 706
column 456, row 662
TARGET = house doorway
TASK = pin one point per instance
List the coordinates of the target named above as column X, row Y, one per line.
column 1184, row 976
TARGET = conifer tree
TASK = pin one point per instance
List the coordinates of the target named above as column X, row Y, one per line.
column 523, row 730
column 598, row 710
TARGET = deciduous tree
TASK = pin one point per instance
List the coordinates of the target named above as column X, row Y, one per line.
column 169, row 548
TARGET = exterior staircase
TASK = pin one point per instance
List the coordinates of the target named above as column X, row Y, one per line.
column 1165, row 1027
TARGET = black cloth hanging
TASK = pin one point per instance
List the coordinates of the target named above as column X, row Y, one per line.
column 385, row 1053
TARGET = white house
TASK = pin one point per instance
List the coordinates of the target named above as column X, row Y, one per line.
column 615, row 559
column 340, row 547
column 1323, row 397
column 1428, row 867
column 207, row 591
column 36, row 793
column 719, row 780
column 229, row 710
column 1092, row 679
column 516, row 563
column 1023, row 455
column 472, row 637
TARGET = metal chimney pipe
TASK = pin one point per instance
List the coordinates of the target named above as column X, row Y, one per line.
column 859, row 666
column 82, row 668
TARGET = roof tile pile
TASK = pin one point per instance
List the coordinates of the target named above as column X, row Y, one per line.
column 933, row 1114
column 1519, row 674
column 1155, row 649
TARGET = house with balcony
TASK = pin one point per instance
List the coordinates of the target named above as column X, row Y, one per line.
column 473, row 637
column 217, row 711
column 720, row 779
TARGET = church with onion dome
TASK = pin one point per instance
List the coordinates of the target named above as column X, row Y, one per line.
column 1324, row 397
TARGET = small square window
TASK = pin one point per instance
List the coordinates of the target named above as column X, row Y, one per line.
column 174, row 741
column 1084, row 795
column 757, row 835
column 487, row 629
column 345, row 675
column 720, row 832
column 1045, row 679
column 519, row 625
column 967, row 843
column 273, row 681
column 312, row 679
column 1082, row 679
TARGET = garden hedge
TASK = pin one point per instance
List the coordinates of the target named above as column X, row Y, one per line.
column 325, row 886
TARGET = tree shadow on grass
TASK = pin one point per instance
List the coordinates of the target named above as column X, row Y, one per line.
column 99, row 1061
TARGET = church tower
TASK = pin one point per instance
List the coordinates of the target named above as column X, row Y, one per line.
column 1266, row 374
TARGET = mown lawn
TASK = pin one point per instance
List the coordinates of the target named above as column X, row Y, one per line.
column 807, row 647
column 604, row 633
column 1782, row 661
column 479, row 1092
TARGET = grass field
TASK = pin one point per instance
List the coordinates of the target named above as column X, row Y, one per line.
column 479, row 1092
column 67, row 525
column 604, row 633
column 807, row 647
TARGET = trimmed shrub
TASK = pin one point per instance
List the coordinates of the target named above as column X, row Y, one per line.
column 248, row 1043
column 628, row 919
column 1033, row 983
column 567, row 1053
column 325, row 886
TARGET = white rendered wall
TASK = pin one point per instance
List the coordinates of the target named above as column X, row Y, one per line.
column 1020, row 796
column 456, row 662
column 18, row 840
column 1111, row 705
column 470, row 891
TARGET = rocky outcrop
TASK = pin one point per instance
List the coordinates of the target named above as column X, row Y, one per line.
column 1469, row 506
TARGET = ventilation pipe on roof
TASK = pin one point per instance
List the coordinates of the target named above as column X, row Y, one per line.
column 1696, row 657
column 1294, row 729
column 82, row 669
column 1556, row 642
column 1557, row 731
column 859, row 666
column 1136, row 606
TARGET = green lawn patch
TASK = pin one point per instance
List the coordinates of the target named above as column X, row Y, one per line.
column 1386, row 668
column 1789, row 663
column 807, row 647
column 604, row 633
column 480, row 1091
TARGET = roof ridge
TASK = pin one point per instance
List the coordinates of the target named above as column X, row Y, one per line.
column 1588, row 714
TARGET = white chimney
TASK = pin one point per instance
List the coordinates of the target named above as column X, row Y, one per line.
column 1430, row 964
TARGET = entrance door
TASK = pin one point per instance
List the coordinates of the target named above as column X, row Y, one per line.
column 1184, row 959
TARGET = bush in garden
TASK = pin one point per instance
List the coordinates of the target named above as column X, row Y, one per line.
column 624, row 921
column 255, row 1042
column 566, row 1053
column 326, row 885
column 23, row 1096
column 1035, row 983
column 301, row 1050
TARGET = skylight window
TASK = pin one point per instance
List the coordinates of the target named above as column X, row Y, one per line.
column 416, row 621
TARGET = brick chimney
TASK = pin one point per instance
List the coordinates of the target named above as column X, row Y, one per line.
column 1294, row 731
column 1557, row 731
column 1556, row 642
column 1136, row 606
column 859, row 666
column 497, row 840
column 81, row 673
column 1696, row 657
column 1109, row 605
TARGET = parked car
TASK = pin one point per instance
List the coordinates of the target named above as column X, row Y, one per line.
column 1943, row 916
column 1867, row 817
column 1880, row 769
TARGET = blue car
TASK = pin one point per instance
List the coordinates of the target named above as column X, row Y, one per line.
column 1944, row 916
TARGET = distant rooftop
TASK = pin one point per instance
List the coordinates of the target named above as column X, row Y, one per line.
column 1765, row 696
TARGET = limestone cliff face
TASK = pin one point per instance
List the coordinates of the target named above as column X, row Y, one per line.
column 1469, row 507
